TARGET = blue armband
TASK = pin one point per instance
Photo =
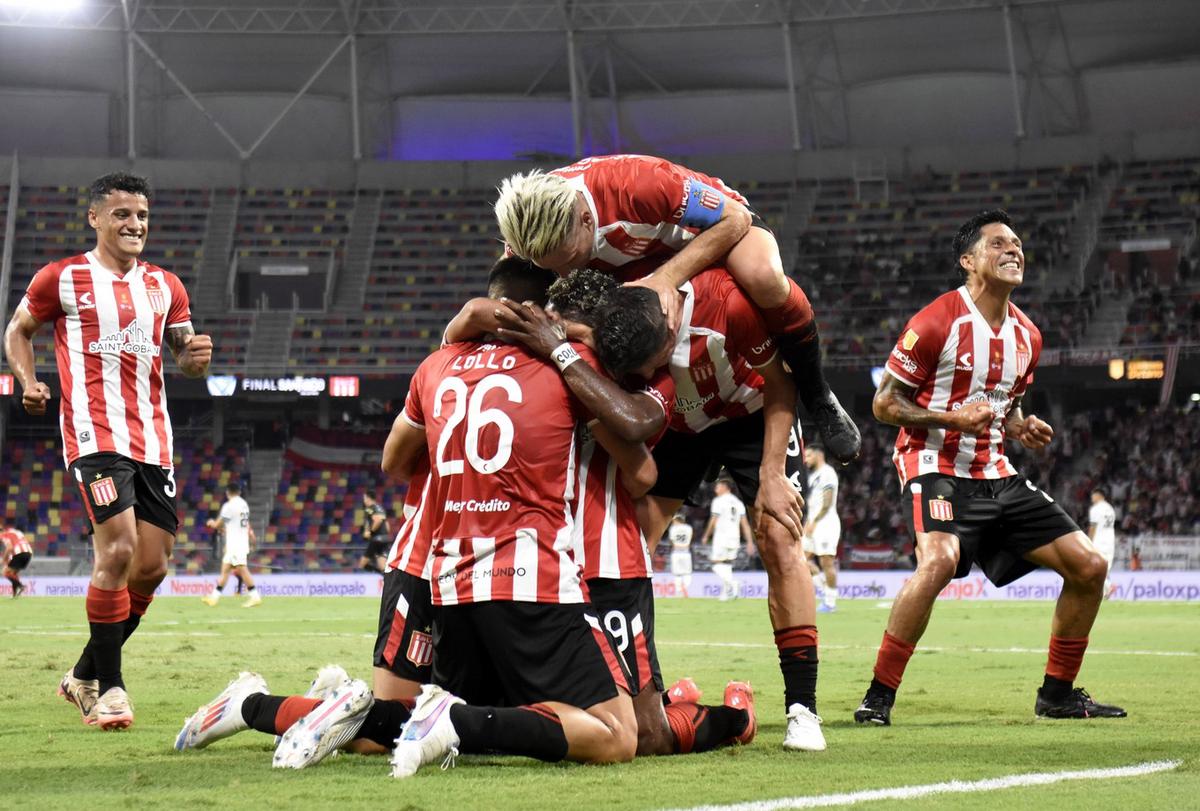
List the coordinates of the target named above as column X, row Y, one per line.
column 703, row 207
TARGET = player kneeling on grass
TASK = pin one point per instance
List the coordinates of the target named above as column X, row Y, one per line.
column 954, row 385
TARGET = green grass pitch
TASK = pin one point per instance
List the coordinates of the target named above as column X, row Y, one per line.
column 965, row 712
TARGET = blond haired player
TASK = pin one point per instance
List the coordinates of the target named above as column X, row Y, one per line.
column 657, row 224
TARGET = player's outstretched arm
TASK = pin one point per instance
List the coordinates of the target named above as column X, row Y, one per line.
column 894, row 405
column 18, row 348
column 776, row 495
column 192, row 352
column 404, row 449
column 705, row 249
column 632, row 416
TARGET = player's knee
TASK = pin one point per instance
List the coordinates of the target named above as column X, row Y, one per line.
column 1090, row 571
column 624, row 744
column 940, row 564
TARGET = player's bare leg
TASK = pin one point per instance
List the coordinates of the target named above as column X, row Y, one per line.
column 114, row 542
column 603, row 733
column 793, row 609
column 655, row 514
column 653, row 731
column 1083, row 570
column 212, row 598
column 756, row 265
column 937, row 558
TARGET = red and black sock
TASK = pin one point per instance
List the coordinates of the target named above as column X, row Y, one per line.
column 12, row 578
column 890, row 662
column 138, row 603
column 699, row 728
column 532, row 731
column 798, row 661
column 1062, row 666
column 107, row 611
column 274, row 714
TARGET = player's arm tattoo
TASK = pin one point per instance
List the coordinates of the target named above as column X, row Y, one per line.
column 177, row 338
column 894, row 405
column 1015, row 419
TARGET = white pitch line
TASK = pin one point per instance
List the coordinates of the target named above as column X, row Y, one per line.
column 936, row 648
column 215, row 634
column 949, row 787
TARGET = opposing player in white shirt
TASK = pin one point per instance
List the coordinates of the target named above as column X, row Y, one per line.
column 823, row 528
column 1102, row 522
column 234, row 521
column 680, row 536
column 727, row 527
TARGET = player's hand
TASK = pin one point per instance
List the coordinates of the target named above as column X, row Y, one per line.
column 778, row 499
column 668, row 298
column 35, row 398
column 1035, row 433
column 974, row 418
column 195, row 355
column 527, row 323
column 211, row 523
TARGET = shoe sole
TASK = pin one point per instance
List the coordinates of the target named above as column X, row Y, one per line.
column 330, row 741
column 123, row 721
column 872, row 719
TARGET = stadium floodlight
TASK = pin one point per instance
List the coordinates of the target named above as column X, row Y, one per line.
column 43, row 6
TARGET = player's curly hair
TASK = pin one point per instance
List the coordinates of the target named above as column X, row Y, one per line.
column 520, row 280
column 970, row 232
column 630, row 329
column 580, row 294
column 118, row 181
column 535, row 212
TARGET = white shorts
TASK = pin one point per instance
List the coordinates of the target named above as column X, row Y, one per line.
column 681, row 563
column 824, row 540
column 235, row 555
column 722, row 552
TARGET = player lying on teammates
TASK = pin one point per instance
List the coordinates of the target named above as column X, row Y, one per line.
column 655, row 223
column 954, row 385
column 734, row 405
column 353, row 715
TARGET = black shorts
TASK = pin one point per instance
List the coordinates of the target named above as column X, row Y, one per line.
column 377, row 547
column 996, row 521
column 626, row 612
column 756, row 221
column 111, row 483
column 404, row 644
column 19, row 561
column 508, row 654
column 737, row 444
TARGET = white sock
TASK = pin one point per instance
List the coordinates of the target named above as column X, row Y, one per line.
column 831, row 596
column 725, row 572
column 215, row 593
column 819, row 580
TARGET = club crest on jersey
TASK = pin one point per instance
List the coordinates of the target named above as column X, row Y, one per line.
column 158, row 302
column 1022, row 361
column 702, row 371
column 420, row 649
column 104, row 491
column 941, row 510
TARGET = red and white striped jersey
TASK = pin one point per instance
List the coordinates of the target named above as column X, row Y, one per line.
column 500, row 425
column 14, row 543
column 721, row 340
column 643, row 207
column 108, row 333
column 951, row 356
column 410, row 549
column 608, row 539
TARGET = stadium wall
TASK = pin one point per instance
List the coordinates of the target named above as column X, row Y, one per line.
column 479, row 174
column 1141, row 586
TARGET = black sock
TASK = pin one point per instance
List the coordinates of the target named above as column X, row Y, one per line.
column 1055, row 688
column 259, row 711
column 105, row 649
column 879, row 687
column 384, row 722
column 131, row 625
column 799, row 668
column 85, row 668
column 718, row 726
column 802, row 351
column 534, row 731
column 16, row 581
